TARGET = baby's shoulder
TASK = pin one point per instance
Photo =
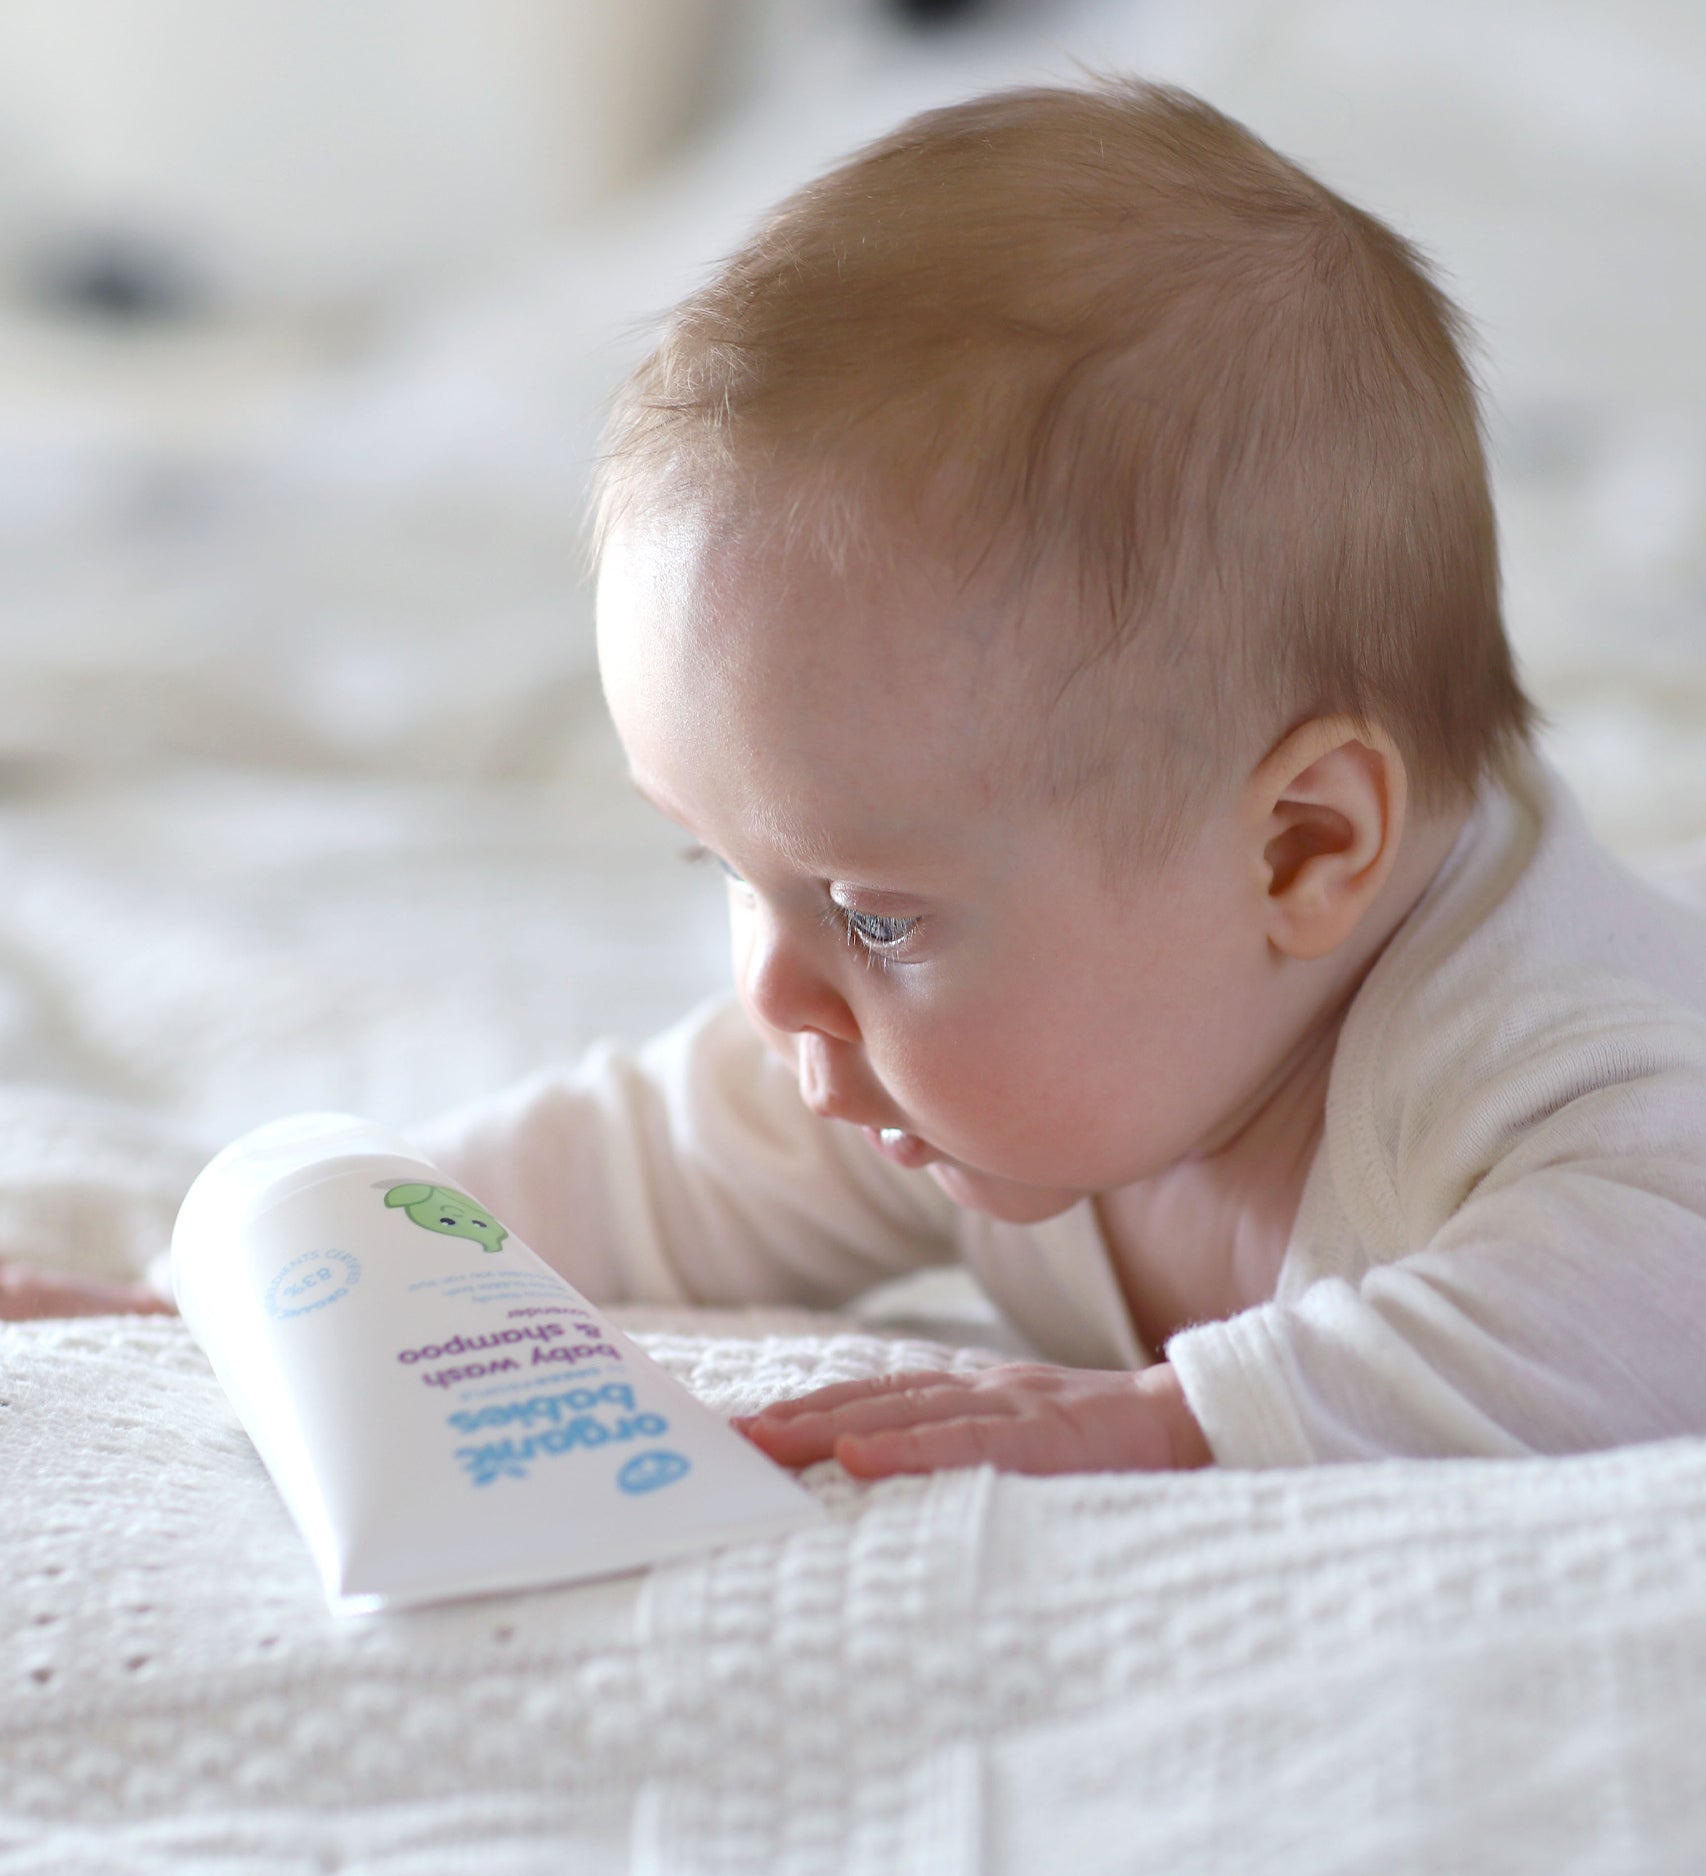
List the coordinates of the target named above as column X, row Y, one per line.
column 1538, row 970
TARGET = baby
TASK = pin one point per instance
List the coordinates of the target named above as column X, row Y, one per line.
column 1051, row 570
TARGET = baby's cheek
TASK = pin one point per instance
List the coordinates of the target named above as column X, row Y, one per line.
column 999, row 1096
column 959, row 1082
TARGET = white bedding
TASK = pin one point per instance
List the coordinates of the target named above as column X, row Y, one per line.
column 306, row 800
column 1456, row 1667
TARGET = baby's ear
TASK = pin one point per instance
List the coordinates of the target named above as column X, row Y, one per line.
column 1327, row 806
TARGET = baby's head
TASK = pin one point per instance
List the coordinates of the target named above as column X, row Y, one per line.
column 1051, row 566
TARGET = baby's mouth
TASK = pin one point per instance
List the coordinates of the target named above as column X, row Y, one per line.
column 901, row 1148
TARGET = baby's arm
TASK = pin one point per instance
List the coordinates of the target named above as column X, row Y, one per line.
column 28, row 1292
column 1026, row 1417
column 1560, row 1308
column 691, row 1172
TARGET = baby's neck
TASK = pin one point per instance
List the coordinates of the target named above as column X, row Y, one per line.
column 1426, row 846
column 1206, row 1238
column 1323, row 990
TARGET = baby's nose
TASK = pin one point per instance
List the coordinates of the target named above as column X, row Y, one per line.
column 823, row 1082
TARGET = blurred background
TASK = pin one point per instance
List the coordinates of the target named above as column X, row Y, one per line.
column 308, row 313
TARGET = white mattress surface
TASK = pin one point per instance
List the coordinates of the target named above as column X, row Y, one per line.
column 1465, row 1667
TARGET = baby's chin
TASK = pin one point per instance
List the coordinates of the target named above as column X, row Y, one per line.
column 1006, row 1199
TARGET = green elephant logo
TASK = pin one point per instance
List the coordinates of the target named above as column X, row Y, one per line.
column 438, row 1208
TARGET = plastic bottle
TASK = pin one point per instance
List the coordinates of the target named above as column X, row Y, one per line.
column 442, row 1413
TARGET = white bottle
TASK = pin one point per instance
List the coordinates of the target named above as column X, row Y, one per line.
column 443, row 1414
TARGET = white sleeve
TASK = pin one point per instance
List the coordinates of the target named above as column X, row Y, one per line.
column 691, row 1171
column 1561, row 1307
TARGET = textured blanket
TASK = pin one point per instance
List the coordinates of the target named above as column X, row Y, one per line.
column 1403, row 1668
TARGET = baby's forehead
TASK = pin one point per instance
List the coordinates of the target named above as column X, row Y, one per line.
column 879, row 622
column 884, row 712
column 840, row 653
column 893, row 603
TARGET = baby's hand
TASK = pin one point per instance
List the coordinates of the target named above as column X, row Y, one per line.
column 27, row 1291
column 1022, row 1418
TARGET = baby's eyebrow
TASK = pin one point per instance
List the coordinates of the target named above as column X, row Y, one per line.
column 650, row 799
column 808, row 857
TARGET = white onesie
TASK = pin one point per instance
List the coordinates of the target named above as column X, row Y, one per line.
column 1501, row 1246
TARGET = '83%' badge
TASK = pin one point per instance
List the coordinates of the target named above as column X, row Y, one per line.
column 312, row 1281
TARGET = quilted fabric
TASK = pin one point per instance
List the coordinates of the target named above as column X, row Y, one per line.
column 1457, row 1666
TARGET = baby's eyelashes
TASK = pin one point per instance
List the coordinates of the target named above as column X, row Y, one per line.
column 881, row 939
column 697, row 853
column 881, row 934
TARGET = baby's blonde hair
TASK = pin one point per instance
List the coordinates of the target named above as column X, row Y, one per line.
column 1111, row 332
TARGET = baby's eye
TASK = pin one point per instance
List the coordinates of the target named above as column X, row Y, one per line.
column 876, row 933
column 696, row 855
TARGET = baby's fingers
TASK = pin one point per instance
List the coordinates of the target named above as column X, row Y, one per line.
column 29, row 1292
column 803, row 1438
column 1012, row 1444
column 841, row 1393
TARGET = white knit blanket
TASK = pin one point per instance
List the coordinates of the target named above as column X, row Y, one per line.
column 1396, row 1668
